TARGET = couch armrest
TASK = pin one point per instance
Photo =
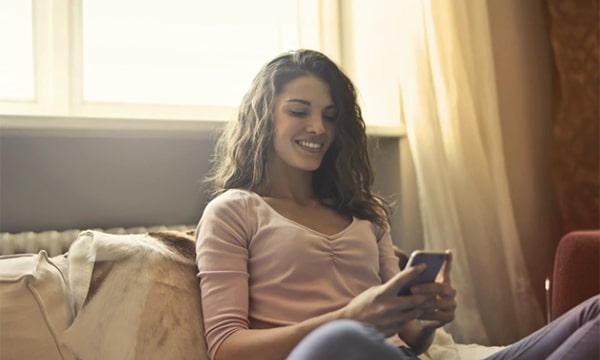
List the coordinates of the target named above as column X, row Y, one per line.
column 576, row 275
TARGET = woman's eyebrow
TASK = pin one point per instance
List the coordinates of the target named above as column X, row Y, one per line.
column 305, row 102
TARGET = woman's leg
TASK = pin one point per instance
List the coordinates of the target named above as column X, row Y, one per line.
column 348, row 340
column 574, row 335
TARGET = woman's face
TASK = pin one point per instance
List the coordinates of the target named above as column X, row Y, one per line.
column 304, row 122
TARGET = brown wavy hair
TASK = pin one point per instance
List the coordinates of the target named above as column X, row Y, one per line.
column 344, row 179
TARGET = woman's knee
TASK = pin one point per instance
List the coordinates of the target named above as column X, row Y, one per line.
column 347, row 339
column 348, row 332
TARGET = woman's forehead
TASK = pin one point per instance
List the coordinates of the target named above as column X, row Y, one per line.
column 308, row 89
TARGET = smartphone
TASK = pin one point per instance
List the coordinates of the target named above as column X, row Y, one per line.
column 434, row 262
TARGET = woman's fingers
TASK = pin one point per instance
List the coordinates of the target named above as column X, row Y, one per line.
column 445, row 271
column 434, row 290
column 394, row 324
column 395, row 284
column 441, row 317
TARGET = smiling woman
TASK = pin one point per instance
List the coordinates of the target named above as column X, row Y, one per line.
column 304, row 125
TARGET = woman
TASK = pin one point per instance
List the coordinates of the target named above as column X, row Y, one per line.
column 294, row 253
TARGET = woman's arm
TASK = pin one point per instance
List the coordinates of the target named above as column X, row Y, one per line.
column 379, row 306
column 270, row 344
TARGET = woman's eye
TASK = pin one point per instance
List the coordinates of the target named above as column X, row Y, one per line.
column 298, row 113
column 330, row 117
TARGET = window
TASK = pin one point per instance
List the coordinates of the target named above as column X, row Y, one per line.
column 16, row 62
column 112, row 60
column 184, row 52
column 181, row 59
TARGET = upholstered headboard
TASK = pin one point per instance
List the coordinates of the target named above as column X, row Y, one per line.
column 80, row 179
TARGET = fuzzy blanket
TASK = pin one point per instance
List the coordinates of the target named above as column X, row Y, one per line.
column 135, row 297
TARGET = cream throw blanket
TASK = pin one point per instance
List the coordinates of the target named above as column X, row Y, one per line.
column 137, row 297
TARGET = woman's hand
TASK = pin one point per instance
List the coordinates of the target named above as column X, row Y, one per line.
column 381, row 306
column 440, row 307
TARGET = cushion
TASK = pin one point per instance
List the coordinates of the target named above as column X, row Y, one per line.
column 575, row 275
column 136, row 297
column 34, row 308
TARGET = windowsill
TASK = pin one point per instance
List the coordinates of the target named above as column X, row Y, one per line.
column 98, row 123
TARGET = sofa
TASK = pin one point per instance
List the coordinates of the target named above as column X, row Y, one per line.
column 135, row 296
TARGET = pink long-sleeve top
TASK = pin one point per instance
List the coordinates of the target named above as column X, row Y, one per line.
column 255, row 264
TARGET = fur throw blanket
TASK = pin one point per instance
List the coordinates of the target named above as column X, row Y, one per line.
column 135, row 297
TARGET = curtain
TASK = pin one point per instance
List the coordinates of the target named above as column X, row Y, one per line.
column 450, row 110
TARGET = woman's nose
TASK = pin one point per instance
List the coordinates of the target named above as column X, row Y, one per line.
column 316, row 124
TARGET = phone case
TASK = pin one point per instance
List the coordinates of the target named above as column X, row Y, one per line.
column 434, row 262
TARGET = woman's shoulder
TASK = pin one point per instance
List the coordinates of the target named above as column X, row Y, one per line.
column 232, row 199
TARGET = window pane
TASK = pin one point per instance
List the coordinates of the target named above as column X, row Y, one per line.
column 181, row 51
column 16, row 61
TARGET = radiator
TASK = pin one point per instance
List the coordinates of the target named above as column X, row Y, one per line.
column 58, row 242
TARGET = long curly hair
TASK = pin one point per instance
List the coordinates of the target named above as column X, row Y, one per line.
column 344, row 179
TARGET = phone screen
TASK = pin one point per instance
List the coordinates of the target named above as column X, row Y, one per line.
column 434, row 262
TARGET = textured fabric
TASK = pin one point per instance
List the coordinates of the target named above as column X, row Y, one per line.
column 256, row 264
column 35, row 308
column 136, row 297
column 573, row 34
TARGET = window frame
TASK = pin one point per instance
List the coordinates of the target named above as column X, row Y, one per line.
column 58, row 52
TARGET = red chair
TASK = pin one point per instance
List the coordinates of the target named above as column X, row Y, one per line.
column 576, row 275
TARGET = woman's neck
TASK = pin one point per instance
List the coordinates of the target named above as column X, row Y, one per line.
column 289, row 184
column 299, row 194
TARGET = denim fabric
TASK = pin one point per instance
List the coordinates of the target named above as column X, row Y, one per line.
column 574, row 335
column 348, row 340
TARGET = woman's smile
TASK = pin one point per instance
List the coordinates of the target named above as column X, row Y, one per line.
column 313, row 147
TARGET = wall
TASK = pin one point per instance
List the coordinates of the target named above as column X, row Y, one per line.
column 523, row 64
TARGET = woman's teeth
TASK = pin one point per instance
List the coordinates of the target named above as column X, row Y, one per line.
column 310, row 145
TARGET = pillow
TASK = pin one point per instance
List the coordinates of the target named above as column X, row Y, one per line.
column 136, row 297
column 34, row 308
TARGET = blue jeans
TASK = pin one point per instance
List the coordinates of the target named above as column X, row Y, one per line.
column 575, row 335
column 347, row 340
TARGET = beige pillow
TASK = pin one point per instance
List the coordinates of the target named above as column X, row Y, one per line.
column 34, row 308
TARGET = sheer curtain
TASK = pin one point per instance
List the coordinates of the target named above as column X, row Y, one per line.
column 450, row 110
